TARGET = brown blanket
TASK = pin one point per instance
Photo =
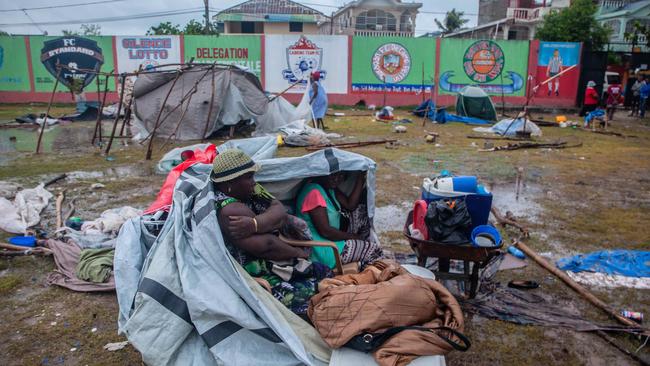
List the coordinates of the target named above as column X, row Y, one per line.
column 66, row 258
column 385, row 295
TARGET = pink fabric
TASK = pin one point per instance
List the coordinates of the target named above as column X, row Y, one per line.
column 312, row 200
column 165, row 195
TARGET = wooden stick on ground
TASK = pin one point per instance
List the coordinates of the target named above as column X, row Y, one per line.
column 507, row 220
column 345, row 145
column 59, row 208
column 55, row 179
column 576, row 287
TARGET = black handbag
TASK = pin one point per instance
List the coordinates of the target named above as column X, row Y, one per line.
column 368, row 342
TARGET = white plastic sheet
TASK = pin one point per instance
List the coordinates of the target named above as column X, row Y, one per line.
column 25, row 211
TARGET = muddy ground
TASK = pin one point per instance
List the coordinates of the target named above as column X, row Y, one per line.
column 573, row 200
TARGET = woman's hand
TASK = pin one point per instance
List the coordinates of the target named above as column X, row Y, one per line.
column 241, row 227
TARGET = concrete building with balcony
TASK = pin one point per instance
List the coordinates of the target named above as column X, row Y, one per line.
column 620, row 16
column 374, row 18
column 510, row 19
column 270, row 17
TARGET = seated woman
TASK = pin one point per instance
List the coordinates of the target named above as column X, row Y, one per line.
column 248, row 216
column 321, row 204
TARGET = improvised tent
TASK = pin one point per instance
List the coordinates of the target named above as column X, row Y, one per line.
column 473, row 101
column 185, row 301
column 224, row 96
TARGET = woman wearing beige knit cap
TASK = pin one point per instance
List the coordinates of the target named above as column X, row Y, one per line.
column 249, row 216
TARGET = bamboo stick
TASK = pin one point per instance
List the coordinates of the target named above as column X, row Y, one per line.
column 117, row 115
column 47, row 112
column 155, row 127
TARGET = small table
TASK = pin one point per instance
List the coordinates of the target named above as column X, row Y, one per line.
column 476, row 256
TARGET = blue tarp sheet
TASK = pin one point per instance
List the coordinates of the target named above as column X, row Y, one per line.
column 591, row 115
column 631, row 263
column 442, row 116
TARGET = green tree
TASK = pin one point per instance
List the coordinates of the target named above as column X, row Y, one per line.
column 84, row 30
column 453, row 22
column 164, row 28
column 638, row 30
column 577, row 23
column 192, row 27
column 91, row 30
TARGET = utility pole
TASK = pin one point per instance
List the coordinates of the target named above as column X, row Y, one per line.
column 206, row 30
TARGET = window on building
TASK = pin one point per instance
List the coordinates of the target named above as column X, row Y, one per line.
column 512, row 34
column 295, row 27
column 376, row 20
column 248, row 27
column 406, row 22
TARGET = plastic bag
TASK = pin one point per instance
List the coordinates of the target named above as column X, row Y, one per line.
column 448, row 221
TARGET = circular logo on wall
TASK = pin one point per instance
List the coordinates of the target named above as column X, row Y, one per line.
column 391, row 62
column 483, row 61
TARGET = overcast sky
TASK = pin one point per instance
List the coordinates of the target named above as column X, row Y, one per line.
column 95, row 13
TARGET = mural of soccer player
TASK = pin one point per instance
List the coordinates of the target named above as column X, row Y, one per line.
column 554, row 67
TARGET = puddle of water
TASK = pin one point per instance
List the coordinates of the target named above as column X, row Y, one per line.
column 525, row 205
column 111, row 173
column 24, row 139
column 391, row 217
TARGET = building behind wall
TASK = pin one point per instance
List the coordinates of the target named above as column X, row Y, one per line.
column 373, row 18
column 510, row 19
column 270, row 17
column 620, row 16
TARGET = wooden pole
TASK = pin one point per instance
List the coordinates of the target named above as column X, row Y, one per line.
column 385, row 91
column 47, row 112
column 422, row 90
column 285, row 90
column 155, row 126
column 207, row 121
column 574, row 285
column 98, row 122
column 180, row 120
column 127, row 113
column 117, row 115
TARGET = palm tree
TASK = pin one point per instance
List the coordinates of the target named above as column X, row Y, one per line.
column 453, row 22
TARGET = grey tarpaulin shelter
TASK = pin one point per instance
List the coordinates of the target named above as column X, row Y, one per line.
column 184, row 300
column 473, row 101
column 235, row 95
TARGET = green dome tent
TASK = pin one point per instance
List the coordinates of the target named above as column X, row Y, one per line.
column 472, row 101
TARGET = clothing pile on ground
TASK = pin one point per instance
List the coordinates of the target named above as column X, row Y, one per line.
column 84, row 258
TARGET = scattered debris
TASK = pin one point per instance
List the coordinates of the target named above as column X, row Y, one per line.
column 399, row 129
column 97, row 186
column 346, row 145
column 111, row 347
column 534, row 145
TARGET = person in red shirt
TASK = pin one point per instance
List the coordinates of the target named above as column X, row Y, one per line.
column 591, row 99
column 614, row 97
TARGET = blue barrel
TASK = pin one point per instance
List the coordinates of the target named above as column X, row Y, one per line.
column 465, row 184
